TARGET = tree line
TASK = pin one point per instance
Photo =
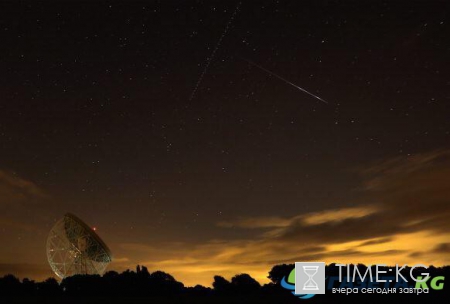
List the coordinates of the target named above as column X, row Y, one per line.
column 140, row 283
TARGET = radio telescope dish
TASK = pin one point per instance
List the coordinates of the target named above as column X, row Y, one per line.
column 74, row 248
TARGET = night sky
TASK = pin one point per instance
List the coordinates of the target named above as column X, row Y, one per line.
column 148, row 121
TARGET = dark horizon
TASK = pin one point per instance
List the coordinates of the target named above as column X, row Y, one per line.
column 141, row 285
column 274, row 275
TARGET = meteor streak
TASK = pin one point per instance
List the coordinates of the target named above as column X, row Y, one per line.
column 210, row 58
column 284, row 80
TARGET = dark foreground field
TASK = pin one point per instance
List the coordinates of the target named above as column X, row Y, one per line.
column 141, row 286
column 238, row 299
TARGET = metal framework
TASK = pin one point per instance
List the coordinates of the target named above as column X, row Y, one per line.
column 74, row 248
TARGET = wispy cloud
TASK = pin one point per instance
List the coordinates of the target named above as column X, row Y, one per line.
column 259, row 222
column 316, row 218
column 14, row 189
column 15, row 224
column 411, row 212
column 338, row 215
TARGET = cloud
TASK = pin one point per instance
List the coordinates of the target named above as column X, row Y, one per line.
column 22, row 230
column 404, row 207
column 6, row 222
column 376, row 241
column 442, row 248
column 413, row 196
column 338, row 215
column 260, row 222
column 17, row 193
column 316, row 218
column 384, row 174
column 14, row 189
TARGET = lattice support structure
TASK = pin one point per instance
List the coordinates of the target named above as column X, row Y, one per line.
column 74, row 248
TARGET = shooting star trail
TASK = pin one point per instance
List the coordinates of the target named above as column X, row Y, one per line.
column 211, row 57
column 284, row 80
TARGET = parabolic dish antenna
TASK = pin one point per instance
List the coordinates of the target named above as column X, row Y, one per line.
column 74, row 248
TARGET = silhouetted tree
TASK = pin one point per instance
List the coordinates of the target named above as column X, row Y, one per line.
column 198, row 290
column 111, row 275
column 163, row 288
column 144, row 272
column 10, row 285
column 162, row 276
column 277, row 272
column 85, row 285
column 244, row 283
column 49, row 287
column 163, row 283
column 271, row 288
column 29, row 287
column 221, row 285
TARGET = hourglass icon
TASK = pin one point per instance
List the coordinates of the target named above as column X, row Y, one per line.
column 310, row 271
